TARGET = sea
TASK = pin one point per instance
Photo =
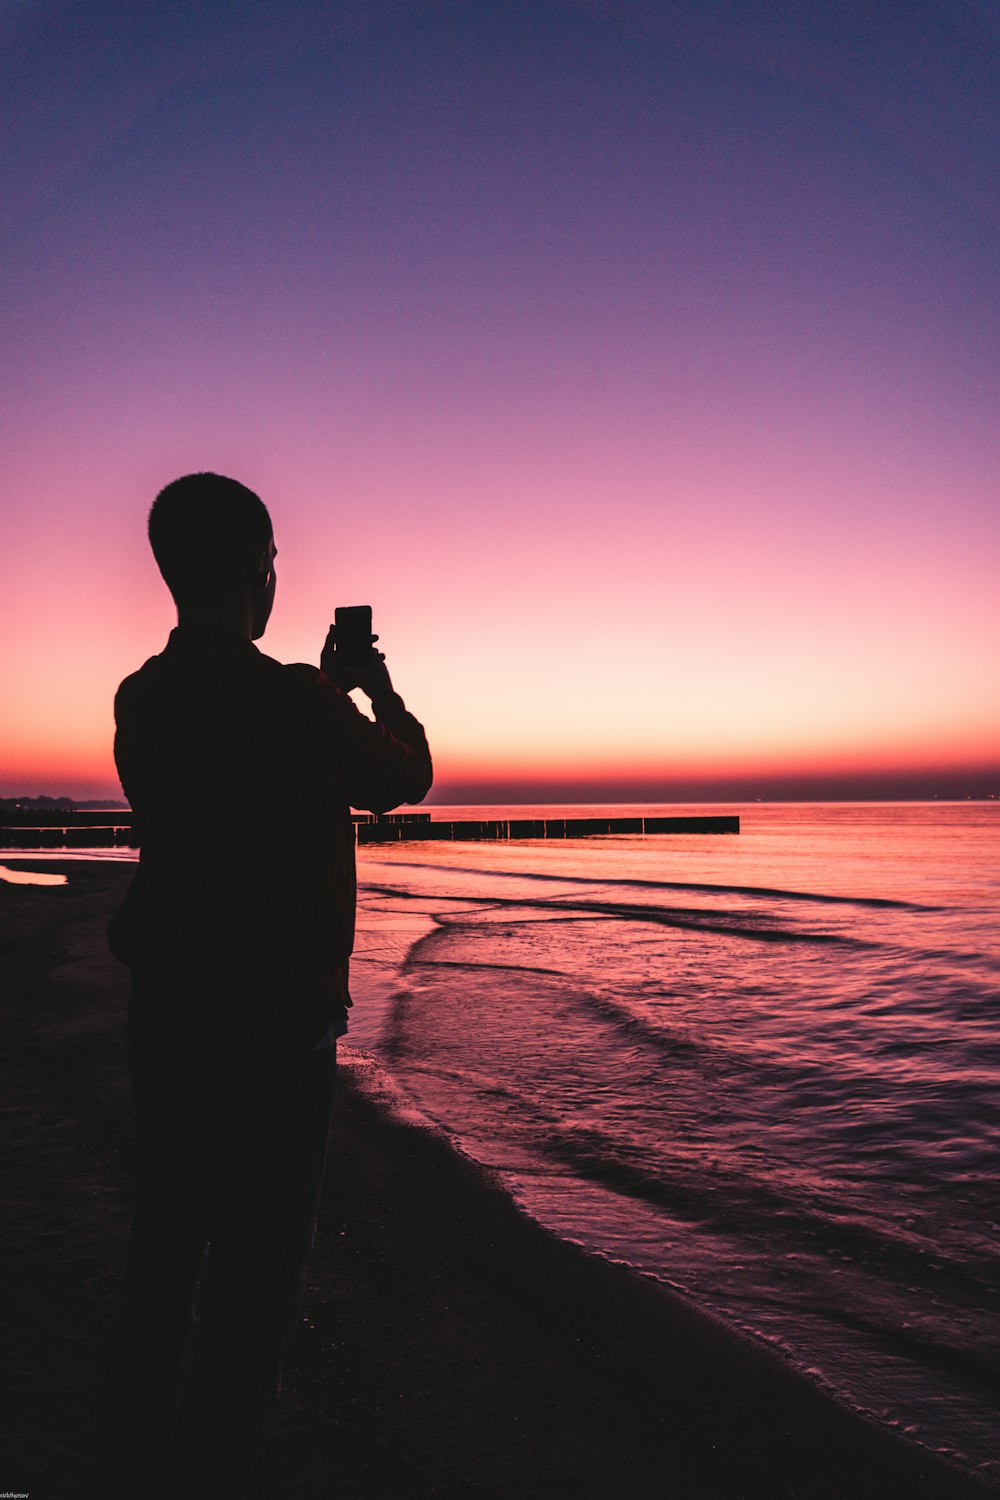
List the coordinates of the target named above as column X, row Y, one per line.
column 762, row 1068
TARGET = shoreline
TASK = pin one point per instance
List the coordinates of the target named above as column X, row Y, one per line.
column 450, row 1346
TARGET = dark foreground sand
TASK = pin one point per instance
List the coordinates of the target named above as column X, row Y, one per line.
column 450, row 1347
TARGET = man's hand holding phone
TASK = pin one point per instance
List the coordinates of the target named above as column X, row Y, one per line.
column 349, row 658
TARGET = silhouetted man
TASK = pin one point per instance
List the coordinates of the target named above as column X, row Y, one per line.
column 237, row 929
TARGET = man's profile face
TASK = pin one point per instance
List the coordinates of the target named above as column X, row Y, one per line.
column 263, row 596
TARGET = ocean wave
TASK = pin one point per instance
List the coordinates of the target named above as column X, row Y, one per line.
column 770, row 892
column 721, row 923
column 725, row 924
column 932, row 1350
column 730, row 1202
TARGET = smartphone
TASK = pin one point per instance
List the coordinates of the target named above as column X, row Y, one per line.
column 353, row 625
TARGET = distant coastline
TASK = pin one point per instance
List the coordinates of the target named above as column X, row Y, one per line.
column 61, row 804
column 743, row 791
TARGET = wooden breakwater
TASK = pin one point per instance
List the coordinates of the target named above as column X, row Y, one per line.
column 386, row 831
column 66, row 828
column 26, row 830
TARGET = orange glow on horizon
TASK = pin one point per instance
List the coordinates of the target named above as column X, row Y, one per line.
column 89, row 772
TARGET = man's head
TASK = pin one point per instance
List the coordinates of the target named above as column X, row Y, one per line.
column 213, row 543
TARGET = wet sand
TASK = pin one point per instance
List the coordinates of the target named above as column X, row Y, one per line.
column 449, row 1348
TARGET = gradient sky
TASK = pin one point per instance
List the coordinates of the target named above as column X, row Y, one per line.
column 636, row 362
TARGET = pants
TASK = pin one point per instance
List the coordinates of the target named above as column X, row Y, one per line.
column 231, row 1136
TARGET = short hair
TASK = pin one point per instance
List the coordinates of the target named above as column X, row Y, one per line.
column 203, row 529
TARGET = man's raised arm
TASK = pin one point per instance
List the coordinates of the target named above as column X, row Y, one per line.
column 381, row 763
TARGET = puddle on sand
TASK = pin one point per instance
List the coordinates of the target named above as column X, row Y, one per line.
column 29, row 877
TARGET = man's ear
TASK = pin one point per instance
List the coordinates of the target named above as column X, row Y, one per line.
column 261, row 574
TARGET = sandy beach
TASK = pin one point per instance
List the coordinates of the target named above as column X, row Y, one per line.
column 449, row 1348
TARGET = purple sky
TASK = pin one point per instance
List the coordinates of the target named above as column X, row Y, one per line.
column 638, row 363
